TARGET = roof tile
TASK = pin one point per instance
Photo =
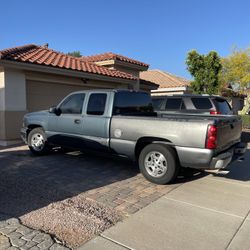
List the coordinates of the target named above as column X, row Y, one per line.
column 164, row 79
column 112, row 56
column 43, row 56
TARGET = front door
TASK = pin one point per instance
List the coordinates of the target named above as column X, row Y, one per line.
column 65, row 129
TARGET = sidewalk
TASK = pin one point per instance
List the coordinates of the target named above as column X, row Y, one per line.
column 208, row 213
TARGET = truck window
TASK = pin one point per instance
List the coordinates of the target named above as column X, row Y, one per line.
column 173, row 103
column 132, row 103
column 73, row 104
column 157, row 103
column 96, row 104
column 222, row 106
column 201, row 103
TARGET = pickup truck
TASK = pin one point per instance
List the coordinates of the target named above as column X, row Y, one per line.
column 123, row 122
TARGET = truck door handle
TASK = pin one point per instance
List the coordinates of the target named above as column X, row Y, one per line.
column 77, row 121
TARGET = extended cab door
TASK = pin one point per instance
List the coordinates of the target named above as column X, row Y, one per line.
column 95, row 129
column 65, row 129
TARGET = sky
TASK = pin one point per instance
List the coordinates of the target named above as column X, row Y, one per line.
column 157, row 32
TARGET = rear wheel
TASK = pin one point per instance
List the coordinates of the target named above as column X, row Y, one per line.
column 158, row 163
column 37, row 142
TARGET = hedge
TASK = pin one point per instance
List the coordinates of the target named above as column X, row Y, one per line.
column 245, row 121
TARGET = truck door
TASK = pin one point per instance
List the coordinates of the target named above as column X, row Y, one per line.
column 96, row 121
column 66, row 128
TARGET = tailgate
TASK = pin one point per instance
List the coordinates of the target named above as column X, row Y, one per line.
column 228, row 132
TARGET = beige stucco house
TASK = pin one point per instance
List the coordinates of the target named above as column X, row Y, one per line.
column 35, row 77
column 169, row 84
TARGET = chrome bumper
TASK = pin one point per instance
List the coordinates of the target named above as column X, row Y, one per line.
column 204, row 159
column 224, row 159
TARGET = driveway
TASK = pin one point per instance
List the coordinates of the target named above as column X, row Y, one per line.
column 212, row 212
column 75, row 196
column 71, row 195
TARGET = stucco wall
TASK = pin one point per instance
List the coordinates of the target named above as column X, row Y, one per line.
column 12, row 103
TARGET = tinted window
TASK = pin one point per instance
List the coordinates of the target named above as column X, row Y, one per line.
column 157, row 103
column 222, row 106
column 96, row 105
column 132, row 103
column 73, row 104
column 173, row 103
column 201, row 103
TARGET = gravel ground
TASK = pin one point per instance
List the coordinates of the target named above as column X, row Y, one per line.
column 73, row 221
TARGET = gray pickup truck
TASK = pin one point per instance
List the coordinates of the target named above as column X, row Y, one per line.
column 123, row 122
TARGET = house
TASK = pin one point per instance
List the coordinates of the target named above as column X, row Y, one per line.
column 122, row 63
column 168, row 84
column 35, row 77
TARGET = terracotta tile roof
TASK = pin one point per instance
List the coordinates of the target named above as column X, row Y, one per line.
column 164, row 79
column 43, row 56
column 113, row 56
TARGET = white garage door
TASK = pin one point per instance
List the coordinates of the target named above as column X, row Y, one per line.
column 42, row 95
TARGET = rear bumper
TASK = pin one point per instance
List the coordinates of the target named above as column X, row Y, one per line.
column 204, row 158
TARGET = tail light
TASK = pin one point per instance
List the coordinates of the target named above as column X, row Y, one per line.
column 214, row 112
column 211, row 141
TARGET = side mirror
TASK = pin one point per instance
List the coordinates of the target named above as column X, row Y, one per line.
column 55, row 110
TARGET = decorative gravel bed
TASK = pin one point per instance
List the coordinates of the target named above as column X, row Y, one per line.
column 73, row 221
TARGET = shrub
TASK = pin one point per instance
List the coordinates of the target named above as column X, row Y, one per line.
column 245, row 121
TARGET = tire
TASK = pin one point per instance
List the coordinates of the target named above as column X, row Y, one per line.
column 37, row 142
column 158, row 163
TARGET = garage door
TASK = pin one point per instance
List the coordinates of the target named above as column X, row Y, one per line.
column 42, row 95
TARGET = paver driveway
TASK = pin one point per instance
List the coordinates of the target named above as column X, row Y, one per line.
column 34, row 189
column 75, row 196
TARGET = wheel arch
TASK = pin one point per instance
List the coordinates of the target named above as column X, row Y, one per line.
column 144, row 141
column 33, row 126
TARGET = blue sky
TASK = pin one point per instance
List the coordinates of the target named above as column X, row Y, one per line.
column 156, row 32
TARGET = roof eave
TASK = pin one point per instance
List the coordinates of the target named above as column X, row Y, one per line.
column 62, row 71
column 130, row 65
column 183, row 88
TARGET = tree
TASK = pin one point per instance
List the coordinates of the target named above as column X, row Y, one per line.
column 236, row 70
column 75, row 53
column 205, row 69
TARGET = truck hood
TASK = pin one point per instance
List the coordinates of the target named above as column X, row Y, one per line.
column 37, row 113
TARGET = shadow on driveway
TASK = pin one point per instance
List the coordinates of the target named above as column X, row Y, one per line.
column 239, row 170
column 28, row 182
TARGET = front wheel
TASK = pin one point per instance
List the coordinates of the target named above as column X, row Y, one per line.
column 37, row 142
column 158, row 163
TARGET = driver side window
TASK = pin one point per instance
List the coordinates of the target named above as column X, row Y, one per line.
column 73, row 104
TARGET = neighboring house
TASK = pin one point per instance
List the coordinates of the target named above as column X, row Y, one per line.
column 122, row 63
column 35, row 77
column 168, row 84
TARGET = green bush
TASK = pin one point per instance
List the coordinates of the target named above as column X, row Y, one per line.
column 245, row 121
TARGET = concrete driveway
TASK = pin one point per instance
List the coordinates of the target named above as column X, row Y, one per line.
column 212, row 212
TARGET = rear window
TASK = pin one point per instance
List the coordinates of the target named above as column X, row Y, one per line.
column 222, row 106
column 201, row 103
column 129, row 103
column 174, row 103
column 96, row 105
